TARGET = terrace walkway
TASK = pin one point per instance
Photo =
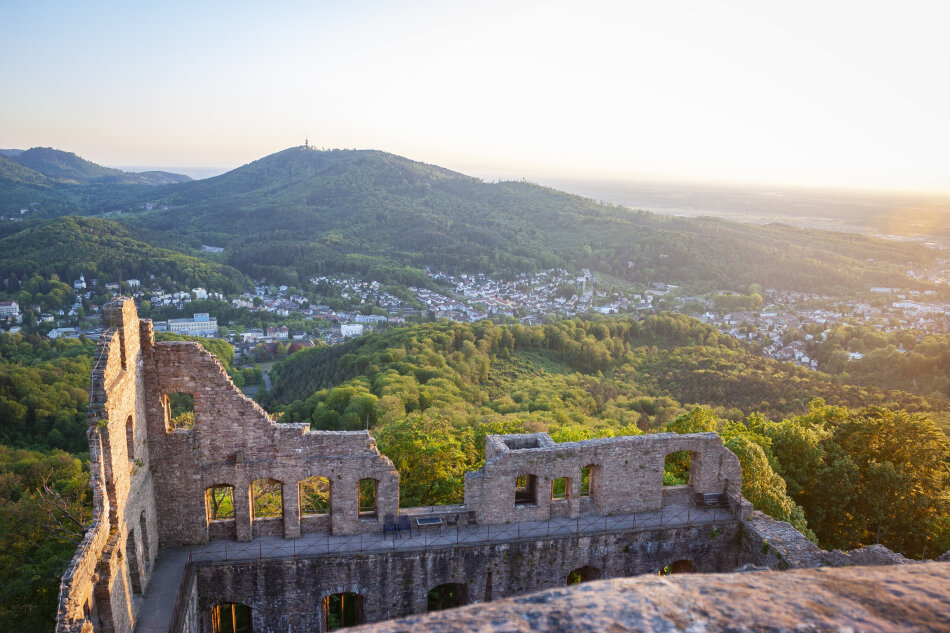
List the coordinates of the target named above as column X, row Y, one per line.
column 160, row 601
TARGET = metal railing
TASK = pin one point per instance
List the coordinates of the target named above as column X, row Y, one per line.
column 322, row 544
column 180, row 599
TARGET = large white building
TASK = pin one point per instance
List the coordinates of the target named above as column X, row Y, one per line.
column 202, row 324
column 9, row 308
column 351, row 329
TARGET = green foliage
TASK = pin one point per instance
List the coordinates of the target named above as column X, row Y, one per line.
column 868, row 476
column 105, row 249
column 914, row 361
column 45, row 504
column 44, row 390
column 430, row 457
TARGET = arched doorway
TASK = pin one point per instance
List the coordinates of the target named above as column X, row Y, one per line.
column 683, row 566
column 583, row 574
column 447, row 596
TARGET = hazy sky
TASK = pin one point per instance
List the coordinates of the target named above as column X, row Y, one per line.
column 826, row 93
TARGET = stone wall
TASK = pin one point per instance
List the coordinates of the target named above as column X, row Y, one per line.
column 626, row 475
column 103, row 585
column 288, row 595
column 234, row 442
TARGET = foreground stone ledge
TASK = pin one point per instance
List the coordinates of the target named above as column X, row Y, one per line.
column 853, row 599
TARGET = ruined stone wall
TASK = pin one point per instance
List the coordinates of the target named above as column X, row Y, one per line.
column 626, row 474
column 288, row 595
column 103, row 585
column 234, row 442
column 150, row 482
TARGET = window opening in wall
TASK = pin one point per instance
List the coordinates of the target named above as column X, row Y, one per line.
column 268, row 498
column 132, row 555
column 583, row 574
column 130, row 436
column 447, row 596
column 231, row 617
column 180, row 410
column 586, row 483
column 314, row 496
column 676, row 469
column 342, row 610
column 146, row 550
column 559, row 488
column 683, row 566
column 526, row 490
column 220, row 502
column 367, row 498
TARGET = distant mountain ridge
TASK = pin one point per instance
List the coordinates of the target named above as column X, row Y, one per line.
column 302, row 212
column 69, row 168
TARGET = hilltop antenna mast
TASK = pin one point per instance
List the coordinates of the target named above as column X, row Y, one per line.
column 306, row 142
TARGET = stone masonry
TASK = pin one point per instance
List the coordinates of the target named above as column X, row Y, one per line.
column 151, row 486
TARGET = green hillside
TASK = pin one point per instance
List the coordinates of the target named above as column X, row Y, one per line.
column 610, row 372
column 300, row 212
column 69, row 168
column 96, row 247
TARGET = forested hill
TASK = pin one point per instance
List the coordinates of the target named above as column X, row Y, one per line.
column 72, row 245
column 300, row 212
column 612, row 372
column 69, row 168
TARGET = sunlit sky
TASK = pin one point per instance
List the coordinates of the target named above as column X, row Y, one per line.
column 850, row 94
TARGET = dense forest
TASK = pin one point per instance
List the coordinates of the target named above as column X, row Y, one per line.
column 910, row 360
column 45, row 507
column 103, row 249
column 44, row 389
column 618, row 370
column 431, row 393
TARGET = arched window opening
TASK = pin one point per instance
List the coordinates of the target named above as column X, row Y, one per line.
column 560, row 489
column 179, row 410
column 267, row 498
column 683, row 566
column 219, row 501
column 143, row 530
column 231, row 617
column 341, row 610
column 367, row 498
column 447, row 596
column 132, row 555
column 587, row 483
column 130, row 436
column 676, row 468
column 583, row 574
column 314, row 496
column 526, row 490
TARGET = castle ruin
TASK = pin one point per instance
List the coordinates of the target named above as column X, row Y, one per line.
column 181, row 539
